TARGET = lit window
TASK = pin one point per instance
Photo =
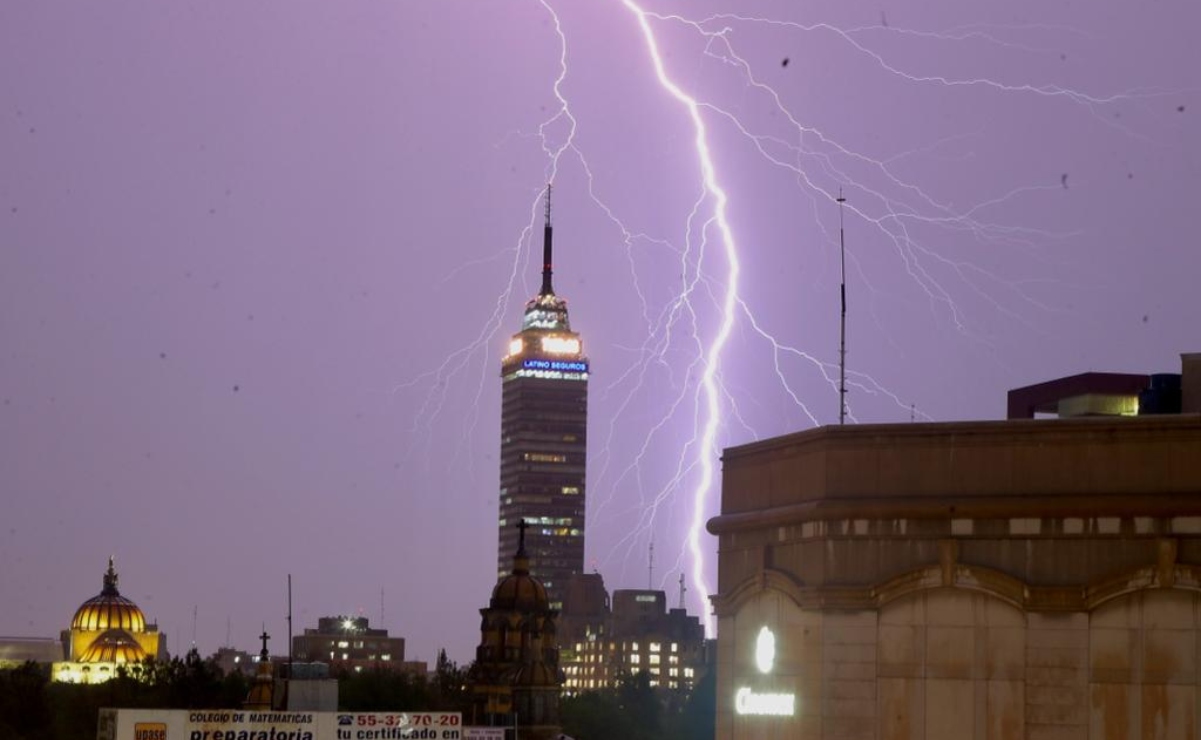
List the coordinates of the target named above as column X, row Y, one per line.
column 654, row 660
column 688, row 673
column 571, row 490
column 675, row 647
column 635, row 659
column 545, row 457
column 654, row 647
column 560, row 345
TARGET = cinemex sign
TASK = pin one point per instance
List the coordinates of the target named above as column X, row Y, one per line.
column 747, row 701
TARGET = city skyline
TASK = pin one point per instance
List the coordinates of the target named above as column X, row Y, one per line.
column 258, row 266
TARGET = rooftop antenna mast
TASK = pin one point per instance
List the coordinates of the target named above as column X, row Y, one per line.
column 682, row 590
column 650, row 567
column 289, row 626
column 842, row 328
column 547, row 240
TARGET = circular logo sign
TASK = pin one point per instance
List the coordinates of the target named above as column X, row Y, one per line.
column 765, row 650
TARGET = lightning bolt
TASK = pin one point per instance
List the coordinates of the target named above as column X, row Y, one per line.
column 710, row 401
column 689, row 347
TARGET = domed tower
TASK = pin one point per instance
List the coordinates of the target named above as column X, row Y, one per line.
column 108, row 630
column 515, row 680
column 262, row 692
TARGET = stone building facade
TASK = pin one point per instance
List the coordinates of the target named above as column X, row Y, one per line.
column 1032, row 579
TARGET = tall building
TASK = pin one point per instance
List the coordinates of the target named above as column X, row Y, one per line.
column 543, row 438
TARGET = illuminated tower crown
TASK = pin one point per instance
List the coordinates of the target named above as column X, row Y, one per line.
column 544, row 415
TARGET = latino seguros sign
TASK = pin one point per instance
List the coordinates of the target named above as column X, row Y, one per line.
column 747, row 701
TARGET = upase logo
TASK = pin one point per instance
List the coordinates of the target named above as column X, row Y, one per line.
column 149, row 731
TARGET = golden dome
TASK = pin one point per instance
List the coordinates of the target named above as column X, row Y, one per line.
column 109, row 610
column 114, row 646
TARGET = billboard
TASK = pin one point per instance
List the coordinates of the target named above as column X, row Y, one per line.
column 230, row 724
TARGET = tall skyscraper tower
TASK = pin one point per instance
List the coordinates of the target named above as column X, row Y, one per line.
column 543, row 438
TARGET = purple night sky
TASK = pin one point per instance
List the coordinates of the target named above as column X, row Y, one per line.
column 259, row 263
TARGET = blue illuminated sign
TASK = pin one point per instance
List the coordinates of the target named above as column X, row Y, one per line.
column 562, row 365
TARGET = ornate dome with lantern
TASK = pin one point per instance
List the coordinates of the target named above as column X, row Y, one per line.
column 107, row 631
column 515, row 680
column 519, row 590
column 109, row 609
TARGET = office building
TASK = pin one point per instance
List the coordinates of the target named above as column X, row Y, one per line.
column 600, row 645
column 351, row 644
column 543, row 438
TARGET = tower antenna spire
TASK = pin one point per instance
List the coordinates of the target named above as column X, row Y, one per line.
column 682, row 590
column 842, row 328
column 547, row 239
